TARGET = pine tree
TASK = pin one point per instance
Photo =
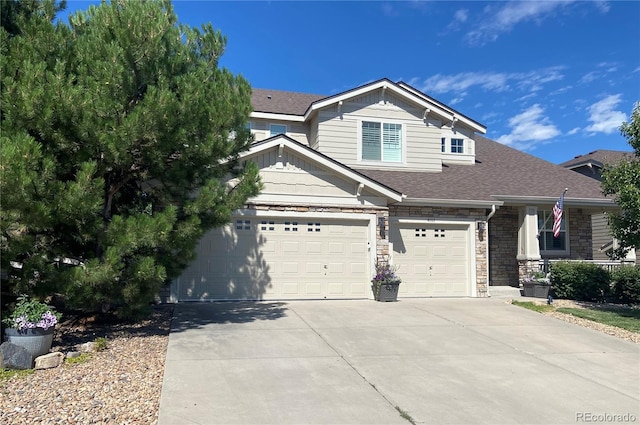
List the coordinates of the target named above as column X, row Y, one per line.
column 119, row 148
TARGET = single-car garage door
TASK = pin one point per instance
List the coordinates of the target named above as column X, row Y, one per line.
column 280, row 258
column 432, row 259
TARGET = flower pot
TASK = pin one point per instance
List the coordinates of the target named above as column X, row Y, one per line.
column 387, row 292
column 36, row 341
column 536, row 290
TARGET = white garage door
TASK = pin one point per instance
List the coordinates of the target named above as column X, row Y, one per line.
column 432, row 259
column 280, row 258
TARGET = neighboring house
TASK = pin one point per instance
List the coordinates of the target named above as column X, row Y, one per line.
column 384, row 172
column 591, row 165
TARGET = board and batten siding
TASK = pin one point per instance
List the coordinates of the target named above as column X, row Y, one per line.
column 338, row 133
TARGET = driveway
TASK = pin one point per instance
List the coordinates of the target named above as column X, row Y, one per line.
column 430, row 361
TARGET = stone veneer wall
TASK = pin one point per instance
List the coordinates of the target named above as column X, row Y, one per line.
column 472, row 215
column 503, row 243
column 580, row 234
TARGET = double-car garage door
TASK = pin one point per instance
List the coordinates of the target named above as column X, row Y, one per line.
column 280, row 258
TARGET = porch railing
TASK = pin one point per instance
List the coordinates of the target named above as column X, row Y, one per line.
column 545, row 264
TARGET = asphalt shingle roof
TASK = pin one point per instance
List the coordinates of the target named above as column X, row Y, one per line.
column 601, row 156
column 282, row 102
column 499, row 170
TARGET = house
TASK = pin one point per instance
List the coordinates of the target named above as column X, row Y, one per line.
column 591, row 165
column 383, row 172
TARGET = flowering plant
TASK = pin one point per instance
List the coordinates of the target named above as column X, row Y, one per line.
column 537, row 277
column 385, row 274
column 29, row 314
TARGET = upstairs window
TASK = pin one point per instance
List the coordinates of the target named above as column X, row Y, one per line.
column 381, row 141
column 443, row 145
column 457, row 145
column 275, row 129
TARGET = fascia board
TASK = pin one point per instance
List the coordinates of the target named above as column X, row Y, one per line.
column 470, row 123
column 468, row 203
column 344, row 171
column 374, row 86
column 551, row 200
column 279, row 117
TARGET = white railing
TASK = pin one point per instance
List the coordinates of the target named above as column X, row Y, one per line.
column 545, row 264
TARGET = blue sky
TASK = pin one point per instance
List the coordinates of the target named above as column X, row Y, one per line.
column 552, row 78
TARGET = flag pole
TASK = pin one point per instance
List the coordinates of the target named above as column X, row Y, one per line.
column 550, row 215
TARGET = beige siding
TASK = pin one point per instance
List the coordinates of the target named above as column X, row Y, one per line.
column 297, row 131
column 313, row 134
column 289, row 179
column 601, row 235
column 339, row 133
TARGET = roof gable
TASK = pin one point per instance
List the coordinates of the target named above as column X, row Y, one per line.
column 597, row 158
column 283, row 142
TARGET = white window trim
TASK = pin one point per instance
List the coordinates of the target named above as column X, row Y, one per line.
column 566, row 252
column 403, row 143
column 286, row 129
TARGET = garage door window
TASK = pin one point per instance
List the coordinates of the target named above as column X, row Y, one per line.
column 290, row 226
column 243, row 224
column 313, row 227
column 268, row 226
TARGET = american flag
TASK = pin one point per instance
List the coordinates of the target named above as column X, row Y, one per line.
column 557, row 216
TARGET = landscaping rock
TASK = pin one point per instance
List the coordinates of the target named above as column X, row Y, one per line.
column 49, row 361
column 87, row 347
column 73, row 354
column 15, row 356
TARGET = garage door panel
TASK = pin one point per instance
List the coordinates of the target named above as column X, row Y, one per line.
column 280, row 258
column 432, row 258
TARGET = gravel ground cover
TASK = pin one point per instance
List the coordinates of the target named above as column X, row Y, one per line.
column 122, row 384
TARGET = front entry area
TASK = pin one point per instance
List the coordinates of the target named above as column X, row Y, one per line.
column 280, row 257
column 432, row 259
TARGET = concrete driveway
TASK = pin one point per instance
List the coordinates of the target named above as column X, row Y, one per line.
column 426, row 361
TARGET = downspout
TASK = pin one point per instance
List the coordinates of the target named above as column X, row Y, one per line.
column 491, row 214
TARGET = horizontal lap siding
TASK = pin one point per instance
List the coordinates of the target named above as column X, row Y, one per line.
column 338, row 135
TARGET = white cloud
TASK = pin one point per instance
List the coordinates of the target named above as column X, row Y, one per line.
column 459, row 84
column 528, row 129
column 502, row 18
column 461, row 15
column 603, row 116
column 573, row 131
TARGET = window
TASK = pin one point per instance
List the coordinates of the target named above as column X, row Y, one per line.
column 381, row 141
column 443, row 145
column 546, row 240
column 243, row 225
column 457, row 145
column 248, row 125
column 276, row 129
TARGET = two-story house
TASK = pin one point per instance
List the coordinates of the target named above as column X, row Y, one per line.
column 591, row 165
column 383, row 172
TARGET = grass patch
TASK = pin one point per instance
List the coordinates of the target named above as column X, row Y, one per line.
column 540, row 308
column 404, row 415
column 6, row 374
column 101, row 344
column 628, row 319
column 82, row 358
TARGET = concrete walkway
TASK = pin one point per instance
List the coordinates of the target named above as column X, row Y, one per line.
column 435, row 361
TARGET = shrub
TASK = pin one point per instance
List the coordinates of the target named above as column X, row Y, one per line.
column 625, row 284
column 580, row 281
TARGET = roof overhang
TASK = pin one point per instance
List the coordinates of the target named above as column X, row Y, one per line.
column 454, row 203
column 550, row 200
column 429, row 105
column 284, row 142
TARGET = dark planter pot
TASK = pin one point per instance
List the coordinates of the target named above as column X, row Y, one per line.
column 36, row 341
column 536, row 290
column 387, row 292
